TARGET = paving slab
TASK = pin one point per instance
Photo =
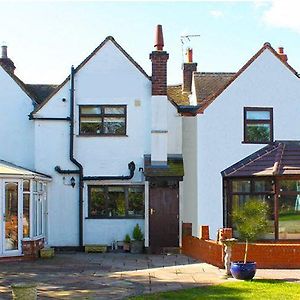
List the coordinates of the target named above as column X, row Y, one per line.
column 116, row 275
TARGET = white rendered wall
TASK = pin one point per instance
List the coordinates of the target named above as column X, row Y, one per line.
column 108, row 78
column 159, row 129
column 52, row 149
column 16, row 130
column 265, row 83
column 190, row 159
column 174, row 130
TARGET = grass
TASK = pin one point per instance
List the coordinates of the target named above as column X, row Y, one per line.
column 254, row 290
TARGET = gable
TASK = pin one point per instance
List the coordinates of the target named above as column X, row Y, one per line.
column 266, row 62
column 106, row 57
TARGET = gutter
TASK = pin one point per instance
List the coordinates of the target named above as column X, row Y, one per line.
column 192, row 109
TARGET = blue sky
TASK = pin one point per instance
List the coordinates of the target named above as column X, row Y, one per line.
column 45, row 38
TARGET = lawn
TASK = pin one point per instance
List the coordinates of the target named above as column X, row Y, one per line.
column 256, row 289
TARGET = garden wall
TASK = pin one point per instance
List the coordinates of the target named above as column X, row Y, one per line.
column 278, row 255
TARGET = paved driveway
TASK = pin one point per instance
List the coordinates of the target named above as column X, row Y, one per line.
column 115, row 276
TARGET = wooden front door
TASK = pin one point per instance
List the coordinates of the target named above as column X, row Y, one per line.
column 163, row 216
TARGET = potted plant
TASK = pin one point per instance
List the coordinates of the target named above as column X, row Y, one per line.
column 137, row 244
column 126, row 243
column 251, row 222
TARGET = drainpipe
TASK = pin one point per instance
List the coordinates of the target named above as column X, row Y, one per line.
column 74, row 161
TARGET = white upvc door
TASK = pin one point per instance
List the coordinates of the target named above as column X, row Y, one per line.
column 11, row 208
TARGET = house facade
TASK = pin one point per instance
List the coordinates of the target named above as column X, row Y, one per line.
column 111, row 147
column 239, row 119
column 105, row 152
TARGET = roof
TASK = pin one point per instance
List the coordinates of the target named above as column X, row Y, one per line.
column 7, row 168
column 209, row 86
column 175, row 94
column 278, row 158
column 41, row 91
column 83, row 63
column 174, row 167
column 21, row 84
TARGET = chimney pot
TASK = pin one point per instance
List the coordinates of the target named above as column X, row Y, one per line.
column 159, row 39
column 282, row 55
column 4, row 51
column 189, row 55
column 6, row 62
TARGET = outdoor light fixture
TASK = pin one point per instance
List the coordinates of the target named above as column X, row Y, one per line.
column 72, row 180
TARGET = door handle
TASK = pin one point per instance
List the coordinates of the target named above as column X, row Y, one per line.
column 152, row 211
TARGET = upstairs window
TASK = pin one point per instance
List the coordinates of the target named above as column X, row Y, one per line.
column 258, row 125
column 102, row 120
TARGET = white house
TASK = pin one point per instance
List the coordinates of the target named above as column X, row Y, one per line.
column 83, row 162
column 109, row 141
column 233, row 116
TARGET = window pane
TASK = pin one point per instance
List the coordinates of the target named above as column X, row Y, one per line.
column 117, row 110
column 239, row 186
column 136, row 201
column 34, row 217
column 289, row 185
column 26, row 215
column 258, row 115
column 40, row 216
column 34, row 186
column 289, row 217
column 26, row 185
column 90, row 110
column 90, row 125
column 116, row 202
column 258, row 132
column 114, row 125
column 97, row 202
column 263, row 186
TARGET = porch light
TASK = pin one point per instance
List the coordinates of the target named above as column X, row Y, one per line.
column 72, row 180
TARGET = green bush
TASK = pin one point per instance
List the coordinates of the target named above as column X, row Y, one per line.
column 137, row 233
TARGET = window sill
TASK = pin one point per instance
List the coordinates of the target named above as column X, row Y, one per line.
column 115, row 218
column 101, row 135
column 259, row 143
column 35, row 238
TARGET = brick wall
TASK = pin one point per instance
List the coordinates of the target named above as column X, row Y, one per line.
column 279, row 255
column 270, row 255
column 204, row 250
column 31, row 248
column 159, row 72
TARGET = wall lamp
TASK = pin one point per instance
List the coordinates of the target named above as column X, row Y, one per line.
column 72, row 180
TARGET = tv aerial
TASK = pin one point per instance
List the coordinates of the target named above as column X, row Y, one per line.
column 185, row 39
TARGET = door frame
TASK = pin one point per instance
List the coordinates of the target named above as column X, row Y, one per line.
column 166, row 183
column 18, row 251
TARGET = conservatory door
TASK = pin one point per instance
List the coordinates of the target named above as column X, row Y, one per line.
column 12, row 218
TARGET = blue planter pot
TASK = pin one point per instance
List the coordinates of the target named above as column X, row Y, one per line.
column 242, row 271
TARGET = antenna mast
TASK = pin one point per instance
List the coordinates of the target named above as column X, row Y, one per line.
column 185, row 39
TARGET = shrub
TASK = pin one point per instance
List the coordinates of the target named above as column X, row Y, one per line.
column 137, row 233
column 127, row 238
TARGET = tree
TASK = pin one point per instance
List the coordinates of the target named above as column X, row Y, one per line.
column 251, row 221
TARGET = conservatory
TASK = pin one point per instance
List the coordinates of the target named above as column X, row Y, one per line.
column 272, row 175
column 23, row 206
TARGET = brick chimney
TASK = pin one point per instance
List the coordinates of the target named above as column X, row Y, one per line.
column 282, row 55
column 6, row 62
column 159, row 60
column 159, row 102
column 188, row 68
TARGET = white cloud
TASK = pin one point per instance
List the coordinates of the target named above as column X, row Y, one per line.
column 283, row 14
column 216, row 13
